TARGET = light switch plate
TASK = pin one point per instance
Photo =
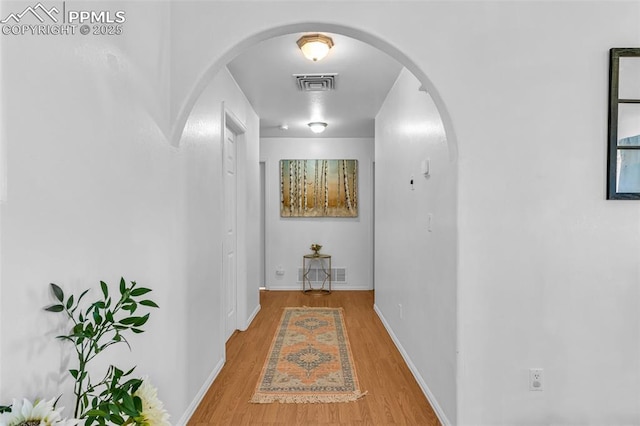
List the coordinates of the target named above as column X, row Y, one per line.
column 424, row 167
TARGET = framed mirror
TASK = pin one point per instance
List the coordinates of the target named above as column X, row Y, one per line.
column 623, row 165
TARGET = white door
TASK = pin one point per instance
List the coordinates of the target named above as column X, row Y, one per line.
column 229, row 267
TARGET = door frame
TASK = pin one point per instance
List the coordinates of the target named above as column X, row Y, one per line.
column 264, row 170
column 230, row 119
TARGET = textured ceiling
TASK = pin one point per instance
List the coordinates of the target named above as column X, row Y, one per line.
column 364, row 77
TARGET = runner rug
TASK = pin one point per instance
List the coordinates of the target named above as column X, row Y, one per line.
column 310, row 360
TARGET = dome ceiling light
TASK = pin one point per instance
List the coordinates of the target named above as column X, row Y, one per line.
column 317, row 126
column 315, row 46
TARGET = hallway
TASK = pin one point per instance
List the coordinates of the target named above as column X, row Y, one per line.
column 394, row 397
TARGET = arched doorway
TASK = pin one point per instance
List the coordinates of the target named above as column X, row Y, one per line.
column 429, row 226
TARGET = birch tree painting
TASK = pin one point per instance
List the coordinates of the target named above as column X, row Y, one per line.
column 318, row 188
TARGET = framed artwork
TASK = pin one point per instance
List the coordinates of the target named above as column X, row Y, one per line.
column 318, row 188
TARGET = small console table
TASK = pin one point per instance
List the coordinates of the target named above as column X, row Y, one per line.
column 325, row 273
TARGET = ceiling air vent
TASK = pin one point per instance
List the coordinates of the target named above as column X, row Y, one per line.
column 316, row 82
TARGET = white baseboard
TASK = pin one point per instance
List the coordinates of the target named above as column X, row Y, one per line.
column 284, row 288
column 333, row 288
column 253, row 316
column 201, row 393
column 414, row 370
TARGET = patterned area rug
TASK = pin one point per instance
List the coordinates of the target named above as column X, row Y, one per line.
column 309, row 361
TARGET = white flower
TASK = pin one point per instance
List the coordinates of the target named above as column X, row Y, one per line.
column 153, row 412
column 25, row 413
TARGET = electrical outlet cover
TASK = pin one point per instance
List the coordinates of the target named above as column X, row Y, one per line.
column 536, row 379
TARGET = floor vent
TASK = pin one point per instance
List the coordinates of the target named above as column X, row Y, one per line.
column 316, row 275
column 316, row 82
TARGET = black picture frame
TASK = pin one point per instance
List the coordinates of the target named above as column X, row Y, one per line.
column 614, row 147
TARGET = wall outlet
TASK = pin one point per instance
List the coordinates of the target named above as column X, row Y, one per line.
column 400, row 309
column 536, row 379
column 279, row 270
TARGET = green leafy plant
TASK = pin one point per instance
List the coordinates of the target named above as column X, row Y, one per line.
column 97, row 326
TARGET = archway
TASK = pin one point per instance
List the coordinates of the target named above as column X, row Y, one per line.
column 405, row 309
column 219, row 63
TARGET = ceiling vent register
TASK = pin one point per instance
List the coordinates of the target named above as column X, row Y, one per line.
column 316, row 82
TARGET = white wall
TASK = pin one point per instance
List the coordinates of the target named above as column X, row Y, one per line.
column 348, row 240
column 92, row 194
column 549, row 269
column 415, row 266
column 201, row 157
column 96, row 191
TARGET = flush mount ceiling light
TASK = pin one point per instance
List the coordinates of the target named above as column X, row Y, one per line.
column 315, row 46
column 317, row 126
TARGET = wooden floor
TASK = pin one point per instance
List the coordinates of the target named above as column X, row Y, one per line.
column 394, row 397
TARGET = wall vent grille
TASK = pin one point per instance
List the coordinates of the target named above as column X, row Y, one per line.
column 316, row 82
column 316, row 275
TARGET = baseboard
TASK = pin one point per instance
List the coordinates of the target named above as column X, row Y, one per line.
column 253, row 316
column 333, row 288
column 414, row 370
column 201, row 393
column 284, row 288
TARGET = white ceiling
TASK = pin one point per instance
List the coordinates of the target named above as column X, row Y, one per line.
column 365, row 75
